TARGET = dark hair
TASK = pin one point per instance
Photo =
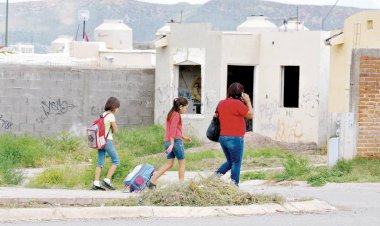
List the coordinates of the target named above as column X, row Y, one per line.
column 112, row 104
column 235, row 90
column 177, row 103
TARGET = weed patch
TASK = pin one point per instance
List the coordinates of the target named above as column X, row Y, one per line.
column 295, row 168
column 62, row 177
column 145, row 140
column 65, row 149
column 253, row 176
column 21, row 151
column 9, row 174
column 267, row 153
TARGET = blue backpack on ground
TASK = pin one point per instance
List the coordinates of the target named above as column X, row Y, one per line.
column 138, row 179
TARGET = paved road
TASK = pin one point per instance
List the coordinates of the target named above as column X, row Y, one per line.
column 358, row 204
column 330, row 219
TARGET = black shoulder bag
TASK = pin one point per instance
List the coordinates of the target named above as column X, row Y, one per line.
column 213, row 130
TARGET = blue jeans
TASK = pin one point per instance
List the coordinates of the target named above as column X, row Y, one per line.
column 110, row 149
column 233, row 148
column 178, row 150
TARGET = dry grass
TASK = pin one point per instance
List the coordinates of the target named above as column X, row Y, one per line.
column 202, row 192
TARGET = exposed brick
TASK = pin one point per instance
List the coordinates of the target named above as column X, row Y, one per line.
column 368, row 143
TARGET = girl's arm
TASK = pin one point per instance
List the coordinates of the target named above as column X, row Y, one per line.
column 188, row 139
column 170, row 148
column 172, row 130
column 114, row 127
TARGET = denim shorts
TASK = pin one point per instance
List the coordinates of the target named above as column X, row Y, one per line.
column 178, row 150
column 111, row 151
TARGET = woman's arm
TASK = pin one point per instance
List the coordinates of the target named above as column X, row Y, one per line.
column 247, row 102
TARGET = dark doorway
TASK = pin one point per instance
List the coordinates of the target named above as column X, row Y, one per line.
column 245, row 76
column 291, row 86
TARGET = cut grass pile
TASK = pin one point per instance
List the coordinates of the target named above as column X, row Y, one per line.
column 202, row 192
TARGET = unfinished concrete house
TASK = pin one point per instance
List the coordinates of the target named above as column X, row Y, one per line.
column 285, row 71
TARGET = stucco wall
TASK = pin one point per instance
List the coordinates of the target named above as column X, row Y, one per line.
column 356, row 34
column 267, row 52
column 48, row 99
column 308, row 122
column 207, row 46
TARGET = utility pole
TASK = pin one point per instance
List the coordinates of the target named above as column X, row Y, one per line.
column 83, row 15
column 6, row 23
column 84, row 28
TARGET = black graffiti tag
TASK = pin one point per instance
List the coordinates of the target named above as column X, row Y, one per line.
column 58, row 107
column 5, row 124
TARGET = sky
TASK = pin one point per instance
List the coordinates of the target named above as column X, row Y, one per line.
column 368, row 4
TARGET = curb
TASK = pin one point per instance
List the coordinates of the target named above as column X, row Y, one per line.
column 58, row 213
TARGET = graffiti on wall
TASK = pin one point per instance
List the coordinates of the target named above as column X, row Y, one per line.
column 267, row 111
column 311, row 102
column 54, row 107
column 5, row 124
column 289, row 130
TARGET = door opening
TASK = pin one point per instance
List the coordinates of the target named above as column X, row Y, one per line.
column 245, row 76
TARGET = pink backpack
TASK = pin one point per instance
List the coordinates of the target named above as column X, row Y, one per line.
column 96, row 133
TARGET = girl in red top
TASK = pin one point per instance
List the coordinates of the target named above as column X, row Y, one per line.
column 173, row 141
column 232, row 112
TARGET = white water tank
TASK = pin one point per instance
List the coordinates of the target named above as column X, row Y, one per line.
column 61, row 44
column 293, row 24
column 115, row 34
column 256, row 24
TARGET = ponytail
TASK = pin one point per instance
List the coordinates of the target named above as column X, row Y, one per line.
column 177, row 104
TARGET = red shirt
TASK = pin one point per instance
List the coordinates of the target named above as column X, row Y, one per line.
column 231, row 116
column 174, row 127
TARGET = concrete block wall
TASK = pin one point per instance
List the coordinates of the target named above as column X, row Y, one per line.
column 42, row 100
column 368, row 141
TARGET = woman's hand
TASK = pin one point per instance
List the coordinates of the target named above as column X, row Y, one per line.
column 245, row 98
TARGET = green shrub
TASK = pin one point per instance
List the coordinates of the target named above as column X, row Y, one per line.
column 319, row 177
column 140, row 141
column 294, row 168
column 62, row 177
column 145, row 140
column 22, row 151
column 65, row 148
column 62, row 143
column 9, row 175
column 342, row 168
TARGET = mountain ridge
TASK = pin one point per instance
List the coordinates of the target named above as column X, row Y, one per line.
column 41, row 22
